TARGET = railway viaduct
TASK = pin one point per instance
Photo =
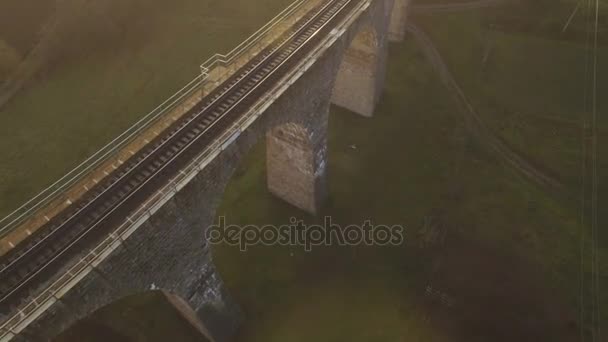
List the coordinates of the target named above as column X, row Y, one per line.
column 166, row 249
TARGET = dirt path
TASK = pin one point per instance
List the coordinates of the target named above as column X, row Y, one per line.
column 475, row 124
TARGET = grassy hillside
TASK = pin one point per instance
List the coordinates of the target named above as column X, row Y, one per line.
column 553, row 19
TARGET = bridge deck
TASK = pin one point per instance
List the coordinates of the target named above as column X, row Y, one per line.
column 111, row 201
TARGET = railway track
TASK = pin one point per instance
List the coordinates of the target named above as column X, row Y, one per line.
column 38, row 258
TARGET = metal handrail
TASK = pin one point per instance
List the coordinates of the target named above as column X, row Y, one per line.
column 110, row 150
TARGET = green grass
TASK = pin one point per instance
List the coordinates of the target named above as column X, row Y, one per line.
column 567, row 20
column 530, row 90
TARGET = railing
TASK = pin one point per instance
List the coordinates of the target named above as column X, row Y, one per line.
column 74, row 274
column 111, row 150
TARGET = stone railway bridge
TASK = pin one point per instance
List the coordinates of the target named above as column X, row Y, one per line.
column 165, row 248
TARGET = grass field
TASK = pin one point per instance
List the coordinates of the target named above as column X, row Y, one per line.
column 510, row 261
column 529, row 89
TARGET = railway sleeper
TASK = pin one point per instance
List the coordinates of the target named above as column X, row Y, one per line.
column 105, row 206
column 4, row 287
column 40, row 261
column 114, row 199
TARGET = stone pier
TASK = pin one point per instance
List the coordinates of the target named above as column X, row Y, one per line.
column 396, row 31
column 360, row 81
